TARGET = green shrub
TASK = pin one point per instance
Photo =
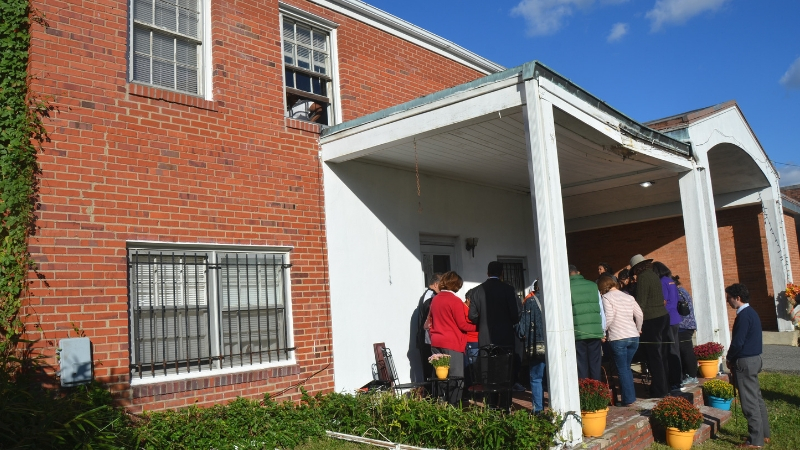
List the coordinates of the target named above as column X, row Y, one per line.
column 269, row 425
column 35, row 418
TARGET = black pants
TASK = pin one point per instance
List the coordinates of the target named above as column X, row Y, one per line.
column 688, row 360
column 652, row 341
column 589, row 356
column 424, row 354
column 674, row 356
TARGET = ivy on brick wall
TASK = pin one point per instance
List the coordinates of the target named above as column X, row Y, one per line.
column 22, row 134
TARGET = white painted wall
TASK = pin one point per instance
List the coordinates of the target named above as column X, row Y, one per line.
column 373, row 229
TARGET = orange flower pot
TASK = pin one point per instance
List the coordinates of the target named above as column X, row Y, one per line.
column 680, row 440
column 709, row 369
column 441, row 372
column 594, row 423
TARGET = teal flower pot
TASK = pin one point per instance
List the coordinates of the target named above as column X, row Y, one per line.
column 719, row 403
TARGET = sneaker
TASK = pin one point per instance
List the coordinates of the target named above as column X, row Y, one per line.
column 689, row 380
column 518, row 387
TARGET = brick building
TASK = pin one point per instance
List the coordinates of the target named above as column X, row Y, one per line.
column 194, row 210
column 181, row 225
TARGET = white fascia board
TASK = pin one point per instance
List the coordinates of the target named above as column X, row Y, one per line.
column 384, row 21
column 608, row 125
column 455, row 110
column 740, row 198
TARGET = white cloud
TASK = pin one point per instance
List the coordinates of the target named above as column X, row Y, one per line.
column 547, row 16
column 617, row 31
column 791, row 79
column 790, row 175
column 666, row 12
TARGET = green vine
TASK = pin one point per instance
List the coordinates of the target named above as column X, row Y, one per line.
column 22, row 134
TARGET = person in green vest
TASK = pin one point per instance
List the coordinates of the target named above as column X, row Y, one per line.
column 589, row 321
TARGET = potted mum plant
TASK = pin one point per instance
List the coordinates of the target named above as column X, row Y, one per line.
column 680, row 418
column 719, row 394
column 441, row 363
column 708, row 358
column 595, row 398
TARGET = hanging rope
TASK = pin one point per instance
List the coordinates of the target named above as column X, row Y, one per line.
column 416, row 170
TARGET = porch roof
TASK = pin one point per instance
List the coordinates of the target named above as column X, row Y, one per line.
column 532, row 69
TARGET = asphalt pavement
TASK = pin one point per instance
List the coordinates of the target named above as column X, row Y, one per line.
column 781, row 358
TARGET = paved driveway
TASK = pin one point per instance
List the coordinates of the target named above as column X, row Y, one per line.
column 781, row 358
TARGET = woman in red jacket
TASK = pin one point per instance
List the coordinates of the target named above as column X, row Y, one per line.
column 449, row 327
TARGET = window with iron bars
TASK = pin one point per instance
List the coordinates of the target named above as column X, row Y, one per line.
column 307, row 72
column 194, row 311
column 166, row 44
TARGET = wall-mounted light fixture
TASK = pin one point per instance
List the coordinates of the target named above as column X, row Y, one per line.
column 647, row 184
column 471, row 244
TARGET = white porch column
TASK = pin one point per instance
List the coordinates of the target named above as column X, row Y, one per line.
column 705, row 259
column 551, row 243
column 778, row 250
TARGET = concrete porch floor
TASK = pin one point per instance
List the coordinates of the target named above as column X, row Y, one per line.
column 629, row 428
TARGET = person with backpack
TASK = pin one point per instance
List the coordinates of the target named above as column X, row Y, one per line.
column 423, row 324
column 530, row 330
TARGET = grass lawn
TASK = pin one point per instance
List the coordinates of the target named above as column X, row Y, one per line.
column 782, row 394
column 334, row 444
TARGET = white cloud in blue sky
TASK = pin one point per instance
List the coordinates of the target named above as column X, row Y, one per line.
column 547, row 16
column 791, row 79
column 617, row 32
column 676, row 12
column 790, row 175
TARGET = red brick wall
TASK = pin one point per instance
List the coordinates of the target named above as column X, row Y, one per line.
column 793, row 239
column 742, row 243
column 132, row 163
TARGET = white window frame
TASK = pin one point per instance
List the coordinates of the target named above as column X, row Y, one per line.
column 214, row 309
column 204, row 63
column 298, row 15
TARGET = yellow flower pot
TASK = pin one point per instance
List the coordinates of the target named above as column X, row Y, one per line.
column 441, row 372
column 594, row 423
column 680, row 440
column 709, row 369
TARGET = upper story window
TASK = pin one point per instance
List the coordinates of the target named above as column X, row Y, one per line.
column 167, row 44
column 308, row 71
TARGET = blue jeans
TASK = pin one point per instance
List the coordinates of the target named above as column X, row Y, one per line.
column 537, row 393
column 470, row 355
column 624, row 350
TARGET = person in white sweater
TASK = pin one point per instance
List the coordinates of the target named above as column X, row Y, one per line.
column 623, row 326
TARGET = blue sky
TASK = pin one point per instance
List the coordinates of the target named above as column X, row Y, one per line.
column 647, row 58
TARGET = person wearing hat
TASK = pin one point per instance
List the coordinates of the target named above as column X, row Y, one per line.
column 655, row 327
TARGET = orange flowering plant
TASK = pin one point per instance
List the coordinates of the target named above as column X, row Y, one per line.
column 792, row 292
column 594, row 395
column 677, row 412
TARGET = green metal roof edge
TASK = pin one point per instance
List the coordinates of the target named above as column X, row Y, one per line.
column 529, row 70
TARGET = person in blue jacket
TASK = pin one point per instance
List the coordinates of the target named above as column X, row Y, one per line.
column 744, row 362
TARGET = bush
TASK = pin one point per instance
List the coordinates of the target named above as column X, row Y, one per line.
column 35, row 418
column 594, row 395
column 267, row 424
column 718, row 388
column 677, row 412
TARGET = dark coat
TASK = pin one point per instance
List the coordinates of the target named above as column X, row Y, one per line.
column 493, row 307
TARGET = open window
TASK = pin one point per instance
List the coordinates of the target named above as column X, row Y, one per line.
column 308, row 69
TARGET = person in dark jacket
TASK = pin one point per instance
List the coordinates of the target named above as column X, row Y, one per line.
column 530, row 330
column 423, row 337
column 744, row 361
column 672, row 344
column 493, row 307
column 655, row 328
column 686, row 330
column 588, row 320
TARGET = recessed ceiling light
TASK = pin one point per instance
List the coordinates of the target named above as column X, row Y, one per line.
column 646, row 184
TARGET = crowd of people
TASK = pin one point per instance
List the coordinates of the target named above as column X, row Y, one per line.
column 641, row 312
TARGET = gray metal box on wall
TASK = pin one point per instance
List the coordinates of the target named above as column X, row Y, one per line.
column 76, row 361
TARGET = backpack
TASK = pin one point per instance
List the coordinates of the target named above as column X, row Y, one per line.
column 532, row 349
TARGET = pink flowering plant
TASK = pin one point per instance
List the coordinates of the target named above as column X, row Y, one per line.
column 709, row 351
column 439, row 360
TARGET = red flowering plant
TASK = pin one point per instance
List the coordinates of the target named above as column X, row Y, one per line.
column 595, row 395
column 708, row 351
column 677, row 412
